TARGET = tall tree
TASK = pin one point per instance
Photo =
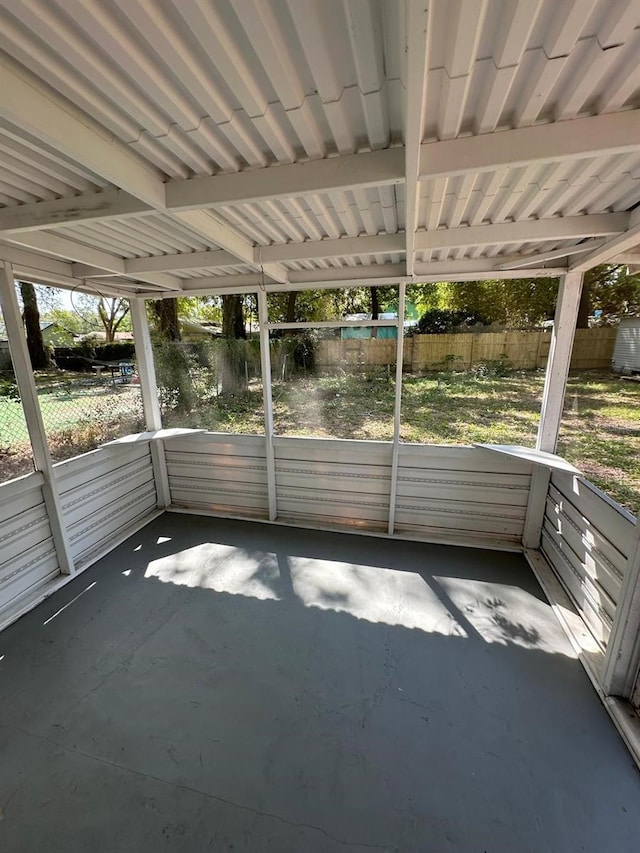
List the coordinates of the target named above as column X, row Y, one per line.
column 31, row 316
column 166, row 315
column 233, row 317
column 112, row 313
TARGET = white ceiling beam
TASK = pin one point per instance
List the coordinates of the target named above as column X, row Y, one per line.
column 63, row 247
column 416, row 21
column 532, row 230
column 477, row 270
column 227, row 283
column 515, row 261
column 20, row 257
column 380, row 274
column 627, row 258
column 608, row 252
column 164, row 263
column 70, row 210
column 36, row 276
column 382, row 244
column 126, row 285
column 214, row 230
column 594, row 136
column 376, row 273
column 89, row 271
column 181, row 261
column 350, row 171
column 237, row 249
column 54, row 121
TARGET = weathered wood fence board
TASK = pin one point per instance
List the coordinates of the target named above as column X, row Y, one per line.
column 522, row 350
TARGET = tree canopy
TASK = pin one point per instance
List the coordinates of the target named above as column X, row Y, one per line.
column 522, row 303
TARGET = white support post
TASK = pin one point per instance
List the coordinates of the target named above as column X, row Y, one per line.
column 265, row 360
column 534, row 518
column 149, row 393
column 395, row 451
column 622, row 657
column 555, row 384
column 33, row 415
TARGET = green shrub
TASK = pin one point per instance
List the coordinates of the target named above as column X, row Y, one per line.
column 437, row 321
column 9, row 389
column 121, row 351
column 174, row 367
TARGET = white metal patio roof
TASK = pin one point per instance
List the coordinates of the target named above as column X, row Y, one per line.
column 157, row 147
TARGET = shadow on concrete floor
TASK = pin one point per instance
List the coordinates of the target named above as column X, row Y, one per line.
column 232, row 686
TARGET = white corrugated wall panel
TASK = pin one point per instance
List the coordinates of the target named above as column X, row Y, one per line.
column 219, row 472
column 27, row 554
column 587, row 540
column 457, row 494
column 455, row 491
column 102, row 494
column 333, row 483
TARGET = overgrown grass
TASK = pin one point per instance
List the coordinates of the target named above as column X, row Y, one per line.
column 600, row 431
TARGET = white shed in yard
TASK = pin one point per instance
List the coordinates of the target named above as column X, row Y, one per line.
column 626, row 353
column 285, row 643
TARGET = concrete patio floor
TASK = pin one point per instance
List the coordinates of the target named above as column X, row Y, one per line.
column 234, row 686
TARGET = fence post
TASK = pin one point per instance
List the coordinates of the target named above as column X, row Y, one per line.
column 149, row 394
column 33, row 416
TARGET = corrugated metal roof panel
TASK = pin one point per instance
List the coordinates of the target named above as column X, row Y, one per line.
column 496, row 65
column 201, row 88
column 206, row 88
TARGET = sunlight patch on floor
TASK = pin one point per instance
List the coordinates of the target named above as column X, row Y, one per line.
column 462, row 607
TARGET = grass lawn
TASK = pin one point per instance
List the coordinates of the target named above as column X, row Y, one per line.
column 79, row 413
column 600, row 431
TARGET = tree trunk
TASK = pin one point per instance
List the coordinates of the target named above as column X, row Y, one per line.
column 37, row 352
column 166, row 311
column 375, row 304
column 233, row 317
column 290, row 316
column 375, row 310
column 584, row 309
column 233, row 328
column 291, row 306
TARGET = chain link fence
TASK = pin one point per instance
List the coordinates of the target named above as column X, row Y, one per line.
column 80, row 412
column 16, row 457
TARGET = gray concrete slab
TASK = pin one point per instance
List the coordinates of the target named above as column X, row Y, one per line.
column 230, row 686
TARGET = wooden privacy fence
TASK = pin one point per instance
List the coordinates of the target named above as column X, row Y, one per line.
column 520, row 350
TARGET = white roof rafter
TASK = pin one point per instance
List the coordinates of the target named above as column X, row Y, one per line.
column 575, row 139
column 534, row 230
column 510, row 262
column 612, row 248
